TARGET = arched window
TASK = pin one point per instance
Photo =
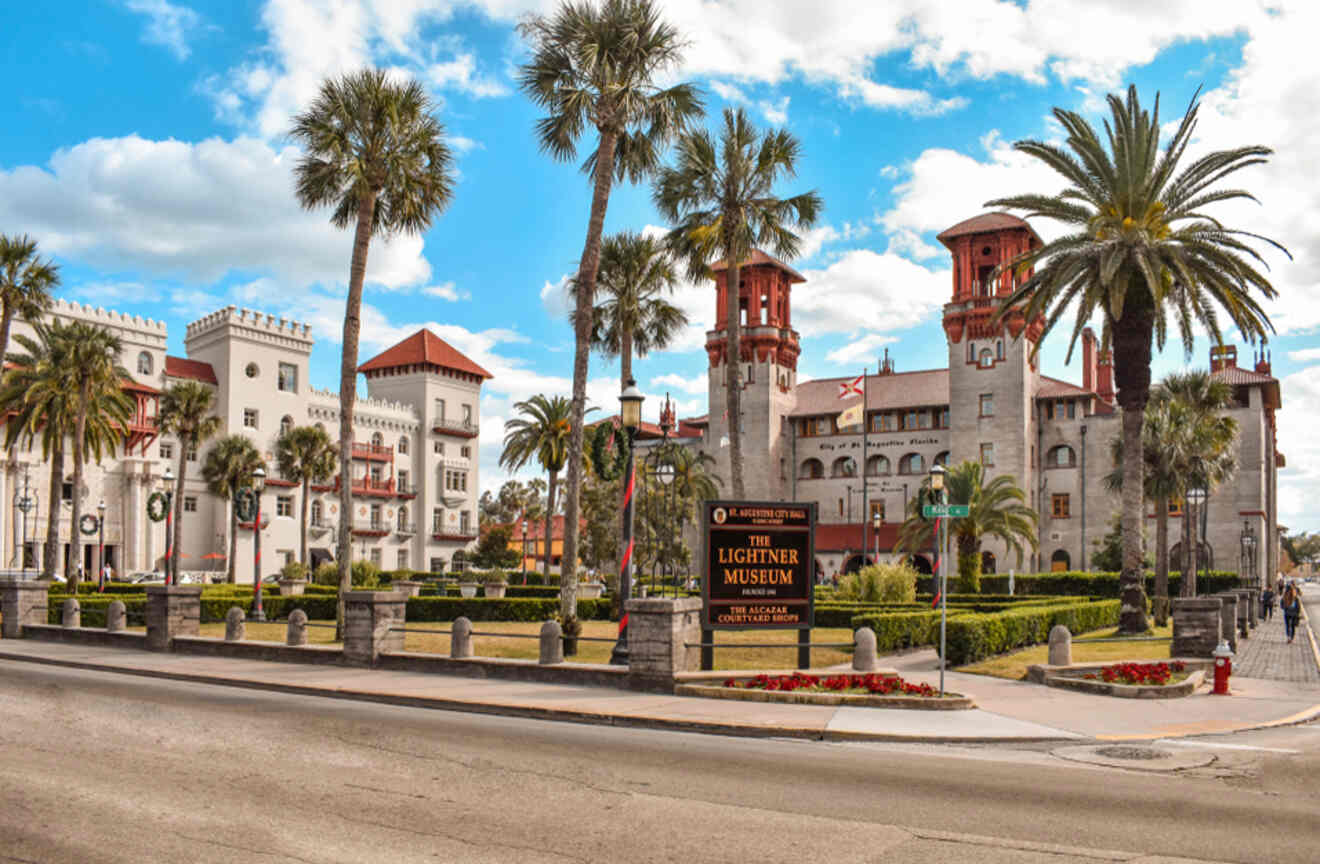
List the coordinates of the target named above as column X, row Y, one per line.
column 942, row 458
column 403, row 518
column 377, row 440
column 144, row 363
column 459, row 561
column 1060, row 561
column 987, row 561
column 811, row 469
column 912, row 463
column 877, row 466
column 844, row 466
column 316, row 513
column 987, row 359
column 286, row 425
column 1062, row 456
column 403, row 444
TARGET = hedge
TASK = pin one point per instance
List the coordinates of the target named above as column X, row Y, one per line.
column 896, row 630
column 972, row 637
column 507, row 609
column 1099, row 584
column 93, row 606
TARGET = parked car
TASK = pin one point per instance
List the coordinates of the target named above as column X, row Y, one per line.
column 143, row 577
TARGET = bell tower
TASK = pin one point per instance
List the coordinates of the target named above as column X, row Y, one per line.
column 993, row 378
column 767, row 371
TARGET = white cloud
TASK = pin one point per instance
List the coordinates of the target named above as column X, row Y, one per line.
column 168, row 24
column 446, row 291
column 461, row 74
column 774, row 112
column 696, row 386
column 1306, row 355
column 1299, row 482
column 867, row 291
column 555, row 298
column 859, row 349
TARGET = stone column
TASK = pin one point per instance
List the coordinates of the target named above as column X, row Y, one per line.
column 172, row 610
column 368, row 616
column 1250, row 601
column 22, row 601
column 1196, row 626
column 659, row 631
column 1228, row 619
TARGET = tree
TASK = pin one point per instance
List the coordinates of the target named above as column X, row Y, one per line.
column 305, row 455
column 720, row 200
column 185, row 413
column 634, row 318
column 665, row 510
column 995, row 509
column 1108, row 554
column 228, row 468
column 25, row 284
column 542, row 433
column 373, row 153
column 494, row 551
column 596, row 65
column 45, row 397
column 1141, row 254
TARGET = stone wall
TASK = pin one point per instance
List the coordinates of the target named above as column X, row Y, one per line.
column 1196, row 626
column 660, row 631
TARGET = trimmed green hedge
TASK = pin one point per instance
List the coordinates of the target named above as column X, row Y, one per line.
column 972, row 637
column 93, row 606
column 897, row 630
column 507, row 609
column 1097, row 584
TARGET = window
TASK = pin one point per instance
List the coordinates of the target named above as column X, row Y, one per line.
column 987, row 359
column 1072, row 409
column 1049, row 410
column 250, row 418
column 251, row 370
column 192, row 454
column 971, row 352
column 403, row 480
column 437, row 520
column 987, row 404
column 316, row 514
column 813, row 426
column 877, row 509
column 1062, row 456
column 456, row 481
column 465, row 521
column 889, row 422
column 286, row 425
column 166, row 450
column 66, row 491
column 403, row 518
column 403, row 444
column 912, row 463
column 287, row 378
column 437, row 565
column 375, row 555
column 376, row 474
column 465, row 452
column 942, row 458
column 402, row 559
column 999, row 355
column 439, row 409
column 375, row 516
column 377, row 440
column 877, row 466
column 144, row 363
column 1060, row 506
column 467, row 414
column 987, row 454
column 910, row 420
column 1175, row 507
column 840, row 507
column 812, row 469
column 844, row 466
column 284, row 505
column 190, row 504
column 942, row 418
column 438, row 448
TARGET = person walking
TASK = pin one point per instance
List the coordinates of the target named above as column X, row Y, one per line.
column 1292, row 610
column 1267, row 603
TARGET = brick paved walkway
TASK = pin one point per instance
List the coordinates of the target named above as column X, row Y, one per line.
column 1267, row 653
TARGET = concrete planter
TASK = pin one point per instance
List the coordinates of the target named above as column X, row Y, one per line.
column 467, row 589
column 590, row 590
column 951, row 702
column 1186, row 687
column 494, row 590
column 292, row 587
column 408, row 587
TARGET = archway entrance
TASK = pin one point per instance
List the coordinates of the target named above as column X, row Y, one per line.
column 921, row 564
column 1060, row 561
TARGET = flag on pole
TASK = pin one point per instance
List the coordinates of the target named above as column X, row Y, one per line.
column 851, row 416
column 849, row 389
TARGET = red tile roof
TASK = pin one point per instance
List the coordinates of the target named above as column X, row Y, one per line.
column 424, row 348
column 985, row 222
column 759, row 258
column 1053, row 388
column 536, row 529
column 649, row 431
column 1237, row 375
column 895, row 390
column 196, row 370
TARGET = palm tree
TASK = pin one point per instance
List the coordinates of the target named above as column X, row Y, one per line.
column 542, row 433
column 720, row 199
column 1142, row 255
column 228, row 468
column 375, row 155
column 634, row 318
column 596, row 65
column 995, row 509
column 305, row 454
column 185, row 413
column 25, row 284
column 46, row 398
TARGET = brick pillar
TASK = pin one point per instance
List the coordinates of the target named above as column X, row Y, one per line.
column 368, row 615
column 1196, row 626
column 22, row 601
column 172, row 610
column 658, row 632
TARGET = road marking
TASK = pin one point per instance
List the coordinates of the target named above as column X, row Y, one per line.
column 1219, row 746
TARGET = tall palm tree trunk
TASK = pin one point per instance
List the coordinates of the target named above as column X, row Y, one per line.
column 307, row 482
column 584, row 300
column 6, row 323
column 732, row 364
column 75, row 514
column 178, row 509
column 1193, row 544
column 233, row 537
column 51, row 555
column 1132, row 348
column 357, row 273
column 625, row 357
column 549, row 523
column 1161, row 604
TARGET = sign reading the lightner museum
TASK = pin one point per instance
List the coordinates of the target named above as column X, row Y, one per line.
column 757, row 571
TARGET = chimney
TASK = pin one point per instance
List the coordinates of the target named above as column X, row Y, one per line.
column 1263, row 362
column 1088, row 360
column 1223, row 357
column 1104, row 386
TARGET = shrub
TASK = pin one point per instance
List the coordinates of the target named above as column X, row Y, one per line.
column 365, row 574
column 293, row 570
column 326, row 574
column 974, row 636
column 493, row 577
column 1096, row 584
column 877, row 583
column 502, row 609
column 896, row 630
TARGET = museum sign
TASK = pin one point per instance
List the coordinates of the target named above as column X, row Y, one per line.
column 757, row 567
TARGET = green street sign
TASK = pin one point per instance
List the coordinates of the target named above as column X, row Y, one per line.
column 957, row 511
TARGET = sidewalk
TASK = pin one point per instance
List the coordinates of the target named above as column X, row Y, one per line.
column 1008, row 710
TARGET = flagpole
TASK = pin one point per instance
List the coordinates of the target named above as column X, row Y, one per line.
column 866, row 513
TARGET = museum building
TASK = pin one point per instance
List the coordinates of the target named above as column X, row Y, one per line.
column 414, row 468
column 991, row 404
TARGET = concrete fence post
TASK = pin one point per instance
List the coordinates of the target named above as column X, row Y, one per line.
column 864, row 650
column 1248, row 606
column 369, row 619
column 71, row 613
column 172, row 610
column 116, row 617
column 1196, row 626
column 662, row 635
column 22, row 601
column 297, row 632
column 460, row 639
column 552, row 643
column 1228, row 618
column 235, row 624
column 1060, row 646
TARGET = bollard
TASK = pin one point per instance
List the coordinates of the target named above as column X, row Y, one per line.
column 235, row 626
column 552, row 643
column 460, row 639
column 1060, row 646
column 116, row 617
column 71, row 614
column 864, row 655
column 297, row 633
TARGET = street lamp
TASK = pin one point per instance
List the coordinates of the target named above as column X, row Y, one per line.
column 100, row 543
column 1196, row 497
column 167, row 484
column 26, row 503
column 524, row 547
column 258, row 484
column 875, row 526
column 937, row 473
column 1248, row 553
column 630, row 415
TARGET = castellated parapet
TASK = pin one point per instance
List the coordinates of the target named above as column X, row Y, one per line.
column 133, row 329
column 260, row 326
column 323, row 406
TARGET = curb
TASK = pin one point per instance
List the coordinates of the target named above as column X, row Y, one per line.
column 1310, row 634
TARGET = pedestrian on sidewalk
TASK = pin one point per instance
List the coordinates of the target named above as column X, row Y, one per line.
column 1267, row 603
column 1292, row 610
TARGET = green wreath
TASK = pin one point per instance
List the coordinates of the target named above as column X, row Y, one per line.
column 245, row 504
column 605, row 435
column 89, row 524
column 156, row 506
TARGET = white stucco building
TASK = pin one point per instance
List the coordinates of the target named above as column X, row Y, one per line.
column 414, row 468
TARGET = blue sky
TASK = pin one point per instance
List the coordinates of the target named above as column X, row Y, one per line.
column 144, row 147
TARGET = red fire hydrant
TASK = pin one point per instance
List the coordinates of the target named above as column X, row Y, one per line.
column 1223, row 668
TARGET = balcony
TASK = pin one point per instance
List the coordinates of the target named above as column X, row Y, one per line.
column 368, row 486
column 319, row 526
column 460, row 536
column 373, row 452
column 406, row 529
column 457, row 428
column 404, row 490
column 372, row 528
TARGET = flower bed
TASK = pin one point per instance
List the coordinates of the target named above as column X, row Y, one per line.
column 1132, row 680
column 1141, row 674
column 878, row 685
column 872, row 690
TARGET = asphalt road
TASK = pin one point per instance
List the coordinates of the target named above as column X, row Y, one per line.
column 105, row 768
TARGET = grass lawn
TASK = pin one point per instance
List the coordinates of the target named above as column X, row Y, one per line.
column 588, row 652
column 1014, row 666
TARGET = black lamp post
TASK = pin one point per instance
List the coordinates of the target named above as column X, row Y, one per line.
column 875, row 528
column 524, row 548
column 937, row 473
column 1196, row 497
column 258, row 484
column 100, row 543
column 25, row 505
column 630, row 401
column 1248, row 573
column 167, row 480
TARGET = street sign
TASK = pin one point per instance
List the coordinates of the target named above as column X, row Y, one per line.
column 956, row 511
